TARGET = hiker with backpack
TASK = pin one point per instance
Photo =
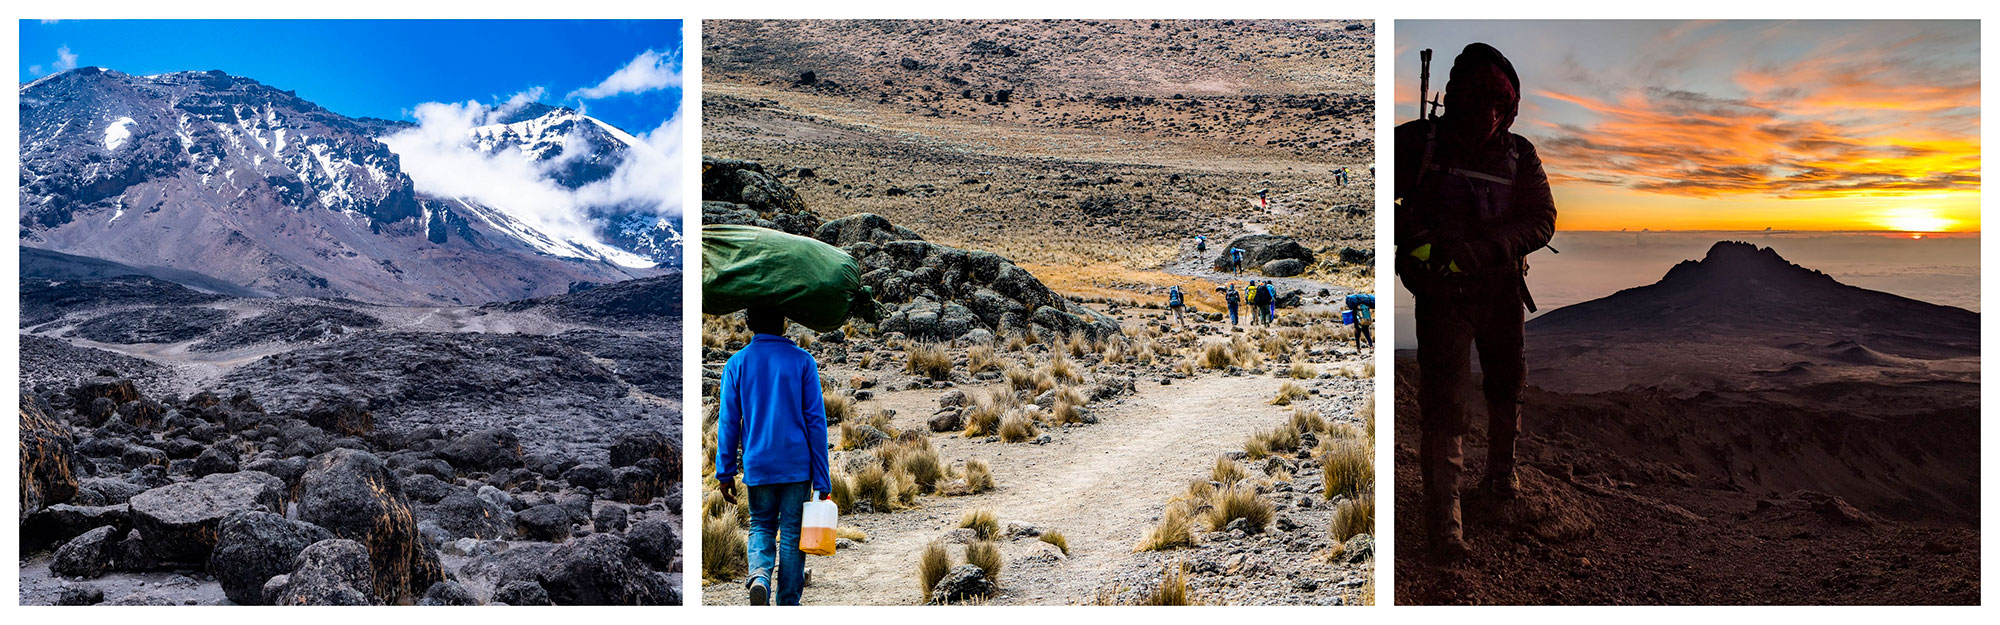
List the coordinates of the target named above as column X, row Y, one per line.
column 1362, row 307
column 1472, row 201
column 1176, row 304
column 1232, row 298
column 1236, row 260
column 1270, row 302
column 1253, row 296
column 771, row 430
column 1200, row 243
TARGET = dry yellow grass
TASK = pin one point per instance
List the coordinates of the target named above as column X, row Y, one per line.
column 1175, row 531
column 1172, row 589
column 1056, row 537
column 982, row 522
column 978, row 477
column 930, row 361
column 1288, row 393
column 1234, row 503
column 851, row 533
column 985, row 554
column 839, row 407
column 1017, row 428
column 722, row 547
column 1353, row 518
column 1226, row 471
column 980, row 358
column 932, row 566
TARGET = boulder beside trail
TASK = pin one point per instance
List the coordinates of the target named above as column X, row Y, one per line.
column 484, row 450
column 179, row 523
column 1284, row 268
column 741, row 192
column 48, row 458
column 353, row 494
column 599, row 570
column 253, row 547
column 965, row 581
column 1259, row 249
column 329, row 572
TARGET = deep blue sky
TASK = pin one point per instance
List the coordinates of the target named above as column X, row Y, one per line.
column 380, row 68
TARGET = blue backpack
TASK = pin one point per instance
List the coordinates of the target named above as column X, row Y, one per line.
column 1174, row 296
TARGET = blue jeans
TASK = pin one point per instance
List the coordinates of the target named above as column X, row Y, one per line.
column 1232, row 314
column 774, row 538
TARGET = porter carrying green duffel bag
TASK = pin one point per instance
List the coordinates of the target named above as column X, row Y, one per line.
column 814, row 284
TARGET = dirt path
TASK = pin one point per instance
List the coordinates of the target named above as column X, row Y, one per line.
column 1102, row 485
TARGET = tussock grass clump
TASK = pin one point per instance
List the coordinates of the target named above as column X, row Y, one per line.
column 978, row 477
column 982, row 522
column 1367, row 414
column 843, row 490
column 929, row 361
column 712, row 505
column 982, row 420
column 851, row 533
column 1186, row 366
column 723, row 546
column 1172, row 589
column 1066, row 406
column 1017, row 343
column 985, row 554
column 932, row 566
column 1304, row 420
column 1227, row 471
column 1056, row 537
column 839, row 407
column 922, row 463
column 1289, row 392
column 872, row 485
column 1063, row 369
column 1255, row 448
column 867, row 360
column 902, row 488
column 1017, row 428
column 1354, row 517
column 1303, row 371
column 1218, row 356
column 881, row 421
column 1347, row 468
column 981, row 358
column 1176, row 530
column 1282, row 438
column 1234, row 503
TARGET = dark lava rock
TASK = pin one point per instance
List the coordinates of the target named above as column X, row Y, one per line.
column 215, row 460
column 654, row 542
column 610, row 518
column 863, row 228
column 632, row 447
column 547, row 523
column 592, row 476
column 329, row 572
column 80, row 594
column 164, row 324
column 965, row 581
column 62, row 521
column 598, row 570
column 1284, row 268
column 645, row 305
column 448, row 593
column 353, row 494
column 485, row 450
column 426, row 488
column 351, row 418
column 638, row 484
column 741, row 192
column 253, row 547
column 179, row 522
column 45, row 300
column 949, row 421
column 288, row 323
column 48, row 458
column 87, row 556
column 521, row 592
column 1259, row 249
column 467, row 516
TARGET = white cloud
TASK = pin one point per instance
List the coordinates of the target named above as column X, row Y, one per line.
column 65, row 60
column 34, row 70
column 649, row 71
column 516, row 102
column 441, row 161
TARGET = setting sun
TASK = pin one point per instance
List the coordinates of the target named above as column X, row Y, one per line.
column 1916, row 220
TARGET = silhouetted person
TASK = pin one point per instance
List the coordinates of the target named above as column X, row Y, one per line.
column 772, row 427
column 1472, row 201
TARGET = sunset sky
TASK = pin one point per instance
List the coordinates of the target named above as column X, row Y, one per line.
column 1737, row 125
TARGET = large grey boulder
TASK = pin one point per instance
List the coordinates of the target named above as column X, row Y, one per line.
column 179, row 522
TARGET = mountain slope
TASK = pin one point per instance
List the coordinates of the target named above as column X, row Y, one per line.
column 253, row 185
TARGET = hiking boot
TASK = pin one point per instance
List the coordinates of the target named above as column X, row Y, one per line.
column 760, row 593
column 1446, row 551
column 1501, row 485
column 809, row 578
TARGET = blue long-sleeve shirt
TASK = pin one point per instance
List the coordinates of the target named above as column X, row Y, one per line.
column 772, row 418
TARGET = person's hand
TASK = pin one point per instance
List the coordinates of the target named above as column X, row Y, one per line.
column 825, row 497
column 729, row 491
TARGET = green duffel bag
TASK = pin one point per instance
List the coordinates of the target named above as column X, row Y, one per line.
column 814, row 284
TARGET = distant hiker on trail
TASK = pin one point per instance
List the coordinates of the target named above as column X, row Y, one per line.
column 773, row 422
column 1340, row 176
column 1200, row 243
column 1362, row 306
column 1270, row 302
column 1232, row 298
column 1175, row 303
column 1236, row 260
column 1257, row 304
column 1471, row 202
column 1263, row 201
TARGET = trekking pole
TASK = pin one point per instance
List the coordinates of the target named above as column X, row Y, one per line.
column 1424, row 86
